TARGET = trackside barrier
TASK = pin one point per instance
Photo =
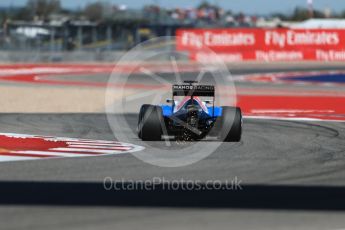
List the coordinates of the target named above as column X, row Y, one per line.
column 75, row 56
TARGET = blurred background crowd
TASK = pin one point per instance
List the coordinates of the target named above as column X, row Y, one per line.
column 45, row 25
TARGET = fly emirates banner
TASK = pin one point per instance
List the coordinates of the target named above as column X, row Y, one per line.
column 263, row 44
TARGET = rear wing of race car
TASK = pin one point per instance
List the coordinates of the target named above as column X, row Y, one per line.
column 193, row 90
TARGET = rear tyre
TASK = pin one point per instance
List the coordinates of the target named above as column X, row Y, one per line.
column 231, row 124
column 141, row 115
column 150, row 123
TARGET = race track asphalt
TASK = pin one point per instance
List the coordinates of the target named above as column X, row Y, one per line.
column 292, row 175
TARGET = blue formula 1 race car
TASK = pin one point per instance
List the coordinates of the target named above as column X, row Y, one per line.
column 190, row 118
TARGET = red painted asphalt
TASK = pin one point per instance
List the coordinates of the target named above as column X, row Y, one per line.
column 313, row 107
column 18, row 143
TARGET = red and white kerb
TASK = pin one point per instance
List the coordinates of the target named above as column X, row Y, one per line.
column 14, row 147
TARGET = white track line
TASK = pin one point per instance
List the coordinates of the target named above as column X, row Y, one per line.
column 291, row 118
column 52, row 153
column 100, row 147
column 81, row 150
